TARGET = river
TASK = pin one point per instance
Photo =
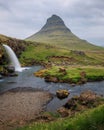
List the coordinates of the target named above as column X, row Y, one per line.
column 27, row 79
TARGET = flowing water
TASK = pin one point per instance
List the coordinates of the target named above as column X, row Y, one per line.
column 27, row 79
column 13, row 58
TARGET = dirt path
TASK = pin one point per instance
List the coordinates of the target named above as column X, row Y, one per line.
column 19, row 106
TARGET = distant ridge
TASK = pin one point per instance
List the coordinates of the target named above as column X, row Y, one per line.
column 55, row 32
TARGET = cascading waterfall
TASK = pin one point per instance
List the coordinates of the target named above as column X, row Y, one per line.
column 13, row 58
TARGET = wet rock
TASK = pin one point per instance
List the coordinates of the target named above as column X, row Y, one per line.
column 10, row 69
column 61, row 94
column 1, row 76
column 71, row 104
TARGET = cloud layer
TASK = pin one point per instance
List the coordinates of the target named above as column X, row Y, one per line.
column 21, row 18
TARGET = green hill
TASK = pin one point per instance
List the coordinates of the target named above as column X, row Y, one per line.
column 55, row 32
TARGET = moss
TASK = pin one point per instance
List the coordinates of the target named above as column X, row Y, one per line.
column 75, row 75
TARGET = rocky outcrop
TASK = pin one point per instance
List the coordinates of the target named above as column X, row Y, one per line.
column 8, row 71
column 62, row 93
column 17, row 45
column 86, row 100
column 81, row 53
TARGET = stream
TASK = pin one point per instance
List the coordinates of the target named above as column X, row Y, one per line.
column 27, row 79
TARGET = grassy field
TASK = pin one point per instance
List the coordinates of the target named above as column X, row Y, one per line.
column 90, row 120
column 41, row 52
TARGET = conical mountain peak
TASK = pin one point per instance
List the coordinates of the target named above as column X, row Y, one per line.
column 54, row 19
column 54, row 23
column 55, row 32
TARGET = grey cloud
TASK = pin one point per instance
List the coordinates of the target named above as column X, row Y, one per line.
column 21, row 18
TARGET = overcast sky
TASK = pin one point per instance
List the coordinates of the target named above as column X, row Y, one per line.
column 21, row 18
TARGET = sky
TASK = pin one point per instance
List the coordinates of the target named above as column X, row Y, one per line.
column 22, row 18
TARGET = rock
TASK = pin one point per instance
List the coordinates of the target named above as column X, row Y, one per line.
column 87, row 97
column 86, row 100
column 51, row 79
column 61, row 94
column 1, row 76
column 45, row 117
column 82, row 53
column 62, row 70
column 63, row 112
column 71, row 104
column 40, row 73
column 10, row 69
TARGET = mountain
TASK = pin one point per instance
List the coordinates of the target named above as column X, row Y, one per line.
column 55, row 32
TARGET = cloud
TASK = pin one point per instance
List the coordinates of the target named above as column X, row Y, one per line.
column 21, row 18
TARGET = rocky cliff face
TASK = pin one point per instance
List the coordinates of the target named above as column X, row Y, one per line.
column 17, row 45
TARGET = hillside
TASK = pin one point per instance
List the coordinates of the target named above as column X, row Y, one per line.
column 55, row 32
column 31, row 53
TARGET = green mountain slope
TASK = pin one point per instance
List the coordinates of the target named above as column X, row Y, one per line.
column 55, row 32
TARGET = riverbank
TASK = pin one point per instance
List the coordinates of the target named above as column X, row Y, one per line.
column 83, row 112
column 92, row 119
column 20, row 106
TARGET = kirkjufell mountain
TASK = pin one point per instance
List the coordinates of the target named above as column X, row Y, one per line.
column 57, row 33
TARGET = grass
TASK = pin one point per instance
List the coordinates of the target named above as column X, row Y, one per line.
column 90, row 120
column 73, row 74
column 39, row 52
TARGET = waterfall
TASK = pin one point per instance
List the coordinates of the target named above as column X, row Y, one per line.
column 13, row 58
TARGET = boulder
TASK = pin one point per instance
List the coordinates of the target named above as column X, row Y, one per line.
column 51, row 79
column 62, row 93
column 87, row 97
column 63, row 112
column 10, row 69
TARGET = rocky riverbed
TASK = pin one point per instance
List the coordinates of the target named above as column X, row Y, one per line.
column 20, row 106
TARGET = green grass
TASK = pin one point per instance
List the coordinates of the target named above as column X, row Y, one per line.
column 40, row 52
column 73, row 74
column 90, row 120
